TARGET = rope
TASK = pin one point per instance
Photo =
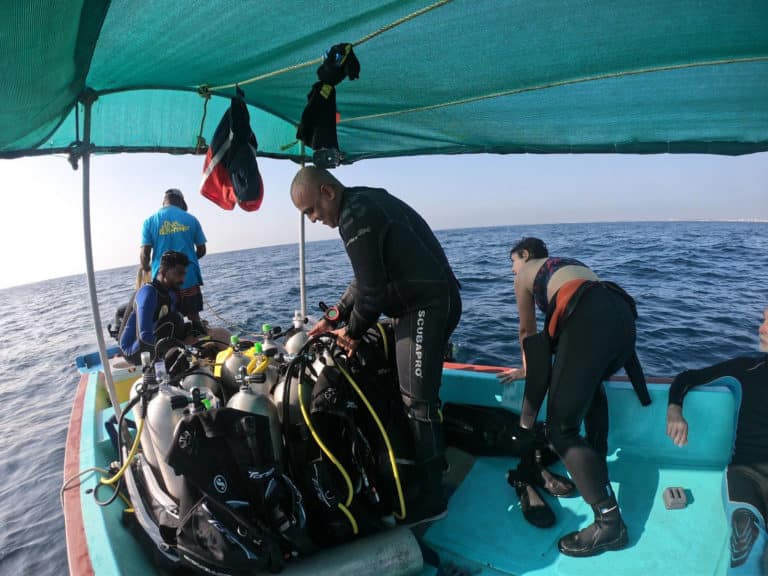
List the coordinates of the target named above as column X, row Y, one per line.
column 553, row 85
column 234, row 327
column 201, row 143
column 362, row 40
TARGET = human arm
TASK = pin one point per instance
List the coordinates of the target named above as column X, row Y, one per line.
column 527, row 314
column 199, row 240
column 677, row 426
column 145, row 258
column 362, row 230
column 147, row 241
column 146, row 306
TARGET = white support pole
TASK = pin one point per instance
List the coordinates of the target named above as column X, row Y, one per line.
column 302, row 269
column 87, row 103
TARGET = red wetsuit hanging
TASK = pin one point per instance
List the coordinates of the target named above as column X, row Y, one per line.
column 230, row 173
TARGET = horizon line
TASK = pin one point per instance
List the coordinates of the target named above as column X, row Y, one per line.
column 655, row 221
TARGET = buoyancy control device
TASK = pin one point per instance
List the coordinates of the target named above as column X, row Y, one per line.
column 206, row 488
column 344, row 428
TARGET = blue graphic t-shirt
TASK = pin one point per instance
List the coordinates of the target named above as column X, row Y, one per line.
column 171, row 228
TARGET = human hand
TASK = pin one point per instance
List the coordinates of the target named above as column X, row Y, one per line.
column 343, row 340
column 677, row 426
column 510, row 375
column 321, row 327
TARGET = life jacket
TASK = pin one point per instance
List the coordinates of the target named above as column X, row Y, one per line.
column 230, row 172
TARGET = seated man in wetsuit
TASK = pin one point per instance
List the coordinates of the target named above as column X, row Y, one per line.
column 746, row 477
column 401, row 271
column 154, row 309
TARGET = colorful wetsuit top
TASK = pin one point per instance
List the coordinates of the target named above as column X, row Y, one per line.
column 751, row 444
column 172, row 228
column 398, row 263
column 152, row 302
column 550, row 266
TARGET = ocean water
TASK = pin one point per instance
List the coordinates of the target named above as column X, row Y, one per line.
column 700, row 289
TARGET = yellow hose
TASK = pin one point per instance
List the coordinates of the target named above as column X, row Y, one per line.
column 349, row 516
column 384, row 435
column 127, row 462
column 383, row 339
column 332, row 458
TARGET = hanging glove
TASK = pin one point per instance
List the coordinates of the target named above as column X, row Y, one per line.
column 340, row 62
column 317, row 128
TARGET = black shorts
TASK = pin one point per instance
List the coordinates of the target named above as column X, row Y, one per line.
column 189, row 301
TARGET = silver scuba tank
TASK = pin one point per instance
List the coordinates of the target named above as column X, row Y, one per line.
column 147, row 447
column 253, row 397
column 299, row 337
column 201, row 376
column 231, row 367
column 164, row 412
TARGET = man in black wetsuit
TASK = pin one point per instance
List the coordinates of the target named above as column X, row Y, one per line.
column 401, row 271
column 746, row 477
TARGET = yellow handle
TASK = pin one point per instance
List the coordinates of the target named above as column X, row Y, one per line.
column 257, row 365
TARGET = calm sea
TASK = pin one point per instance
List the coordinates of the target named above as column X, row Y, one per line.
column 700, row 288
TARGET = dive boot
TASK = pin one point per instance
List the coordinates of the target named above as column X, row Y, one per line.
column 744, row 533
column 425, row 499
column 608, row 532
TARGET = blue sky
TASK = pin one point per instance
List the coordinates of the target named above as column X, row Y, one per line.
column 41, row 223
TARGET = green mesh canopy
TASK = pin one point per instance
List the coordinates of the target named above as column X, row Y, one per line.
column 465, row 76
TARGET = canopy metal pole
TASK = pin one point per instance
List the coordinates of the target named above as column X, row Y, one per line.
column 302, row 270
column 88, row 99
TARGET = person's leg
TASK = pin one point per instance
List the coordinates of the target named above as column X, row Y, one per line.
column 420, row 338
column 596, row 422
column 190, row 303
column 596, row 341
column 746, row 506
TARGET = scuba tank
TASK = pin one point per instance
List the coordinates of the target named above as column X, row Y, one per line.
column 147, row 380
column 228, row 363
column 201, row 376
column 164, row 412
column 297, row 336
column 254, row 397
column 269, row 347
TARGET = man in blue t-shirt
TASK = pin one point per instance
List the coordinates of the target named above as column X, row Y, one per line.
column 172, row 228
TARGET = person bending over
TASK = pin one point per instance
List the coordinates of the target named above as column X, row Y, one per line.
column 401, row 271
column 746, row 477
column 590, row 328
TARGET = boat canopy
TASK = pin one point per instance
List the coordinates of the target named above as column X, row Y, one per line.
column 437, row 77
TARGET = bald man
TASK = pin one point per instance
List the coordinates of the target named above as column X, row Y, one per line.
column 400, row 271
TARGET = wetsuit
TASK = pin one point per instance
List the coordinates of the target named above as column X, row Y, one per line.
column 746, row 478
column 591, row 329
column 151, row 305
column 401, row 271
column 540, row 282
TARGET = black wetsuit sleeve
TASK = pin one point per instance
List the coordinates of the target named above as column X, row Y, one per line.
column 362, row 229
column 347, row 301
column 688, row 379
